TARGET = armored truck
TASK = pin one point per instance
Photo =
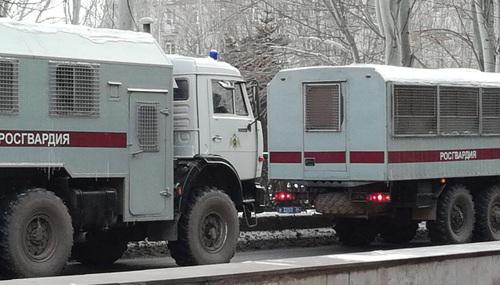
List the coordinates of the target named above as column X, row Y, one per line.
column 104, row 139
column 381, row 148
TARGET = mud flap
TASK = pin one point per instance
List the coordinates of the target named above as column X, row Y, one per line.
column 249, row 213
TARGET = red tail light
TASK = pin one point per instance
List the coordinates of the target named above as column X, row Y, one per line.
column 379, row 197
column 284, row 196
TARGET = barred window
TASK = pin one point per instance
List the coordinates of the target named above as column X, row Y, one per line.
column 323, row 107
column 415, row 111
column 459, row 110
column 147, row 126
column 74, row 89
column 491, row 110
column 9, row 102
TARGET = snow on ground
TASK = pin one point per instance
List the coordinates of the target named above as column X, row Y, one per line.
column 257, row 240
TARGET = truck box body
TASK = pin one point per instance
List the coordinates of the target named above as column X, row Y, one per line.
column 382, row 123
column 45, row 124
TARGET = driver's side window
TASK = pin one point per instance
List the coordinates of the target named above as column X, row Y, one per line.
column 228, row 97
column 222, row 98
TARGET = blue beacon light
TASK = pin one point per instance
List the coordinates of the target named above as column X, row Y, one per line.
column 213, row 54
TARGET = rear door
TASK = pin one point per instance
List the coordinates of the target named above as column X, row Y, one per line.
column 324, row 154
column 149, row 192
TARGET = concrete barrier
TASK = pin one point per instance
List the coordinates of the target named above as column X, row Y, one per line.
column 476, row 263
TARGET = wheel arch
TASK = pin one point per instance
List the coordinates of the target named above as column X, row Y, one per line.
column 211, row 171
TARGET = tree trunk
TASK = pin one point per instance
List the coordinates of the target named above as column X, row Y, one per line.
column 477, row 38
column 404, row 22
column 496, row 31
column 75, row 15
column 485, row 37
column 388, row 10
column 126, row 20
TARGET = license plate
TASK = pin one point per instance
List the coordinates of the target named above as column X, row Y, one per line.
column 289, row 210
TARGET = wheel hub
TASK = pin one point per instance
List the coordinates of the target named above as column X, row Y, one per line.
column 457, row 218
column 38, row 242
column 213, row 232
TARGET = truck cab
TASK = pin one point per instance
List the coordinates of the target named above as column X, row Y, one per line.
column 213, row 115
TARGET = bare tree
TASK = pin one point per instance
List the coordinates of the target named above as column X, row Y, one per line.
column 25, row 9
column 339, row 13
column 3, row 12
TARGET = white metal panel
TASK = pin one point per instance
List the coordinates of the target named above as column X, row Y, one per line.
column 186, row 130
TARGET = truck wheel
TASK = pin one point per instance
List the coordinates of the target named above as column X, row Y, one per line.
column 487, row 225
column 36, row 234
column 399, row 232
column 454, row 218
column 208, row 229
column 100, row 248
column 355, row 232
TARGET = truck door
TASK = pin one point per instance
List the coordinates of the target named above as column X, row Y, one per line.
column 148, row 142
column 324, row 154
column 230, row 136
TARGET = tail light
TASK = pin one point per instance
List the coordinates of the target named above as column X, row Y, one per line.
column 379, row 197
column 284, row 196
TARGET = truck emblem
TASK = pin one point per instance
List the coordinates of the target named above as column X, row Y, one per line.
column 234, row 141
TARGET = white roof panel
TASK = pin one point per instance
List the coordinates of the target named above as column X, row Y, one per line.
column 455, row 76
column 79, row 42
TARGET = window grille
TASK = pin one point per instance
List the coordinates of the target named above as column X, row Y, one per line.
column 322, row 107
column 147, row 126
column 459, row 110
column 9, row 102
column 74, row 89
column 491, row 110
column 415, row 111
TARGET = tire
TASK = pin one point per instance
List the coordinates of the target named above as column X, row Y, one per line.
column 355, row 232
column 100, row 248
column 454, row 217
column 399, row 232
column 36, row 234
column 208, row 229
column 487, row 203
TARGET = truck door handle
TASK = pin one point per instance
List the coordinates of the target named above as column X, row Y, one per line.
column 217, row 138
column 164, row 112
column 137, row 152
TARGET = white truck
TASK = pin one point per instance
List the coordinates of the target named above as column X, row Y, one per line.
column 104, row 139
column 381, row 148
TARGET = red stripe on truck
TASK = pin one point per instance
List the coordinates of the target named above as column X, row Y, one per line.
column 407, row 156
column 285, row 157
column 443, row 155
column 326, row 156
column 18, row 138
column 366, row 156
